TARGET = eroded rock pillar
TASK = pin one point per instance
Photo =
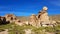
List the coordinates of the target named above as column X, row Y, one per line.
column 33, row 20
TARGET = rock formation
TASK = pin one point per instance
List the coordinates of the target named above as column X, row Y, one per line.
column 3, row 20
column 43, row 16
column 18, row 22
column 10, row 17
column 42, row 19
column 33, row 20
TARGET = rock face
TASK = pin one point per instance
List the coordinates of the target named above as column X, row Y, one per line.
column 19, row 22
column 10, row 17
column 3, row 20
column 33, row 20
column 43, row 16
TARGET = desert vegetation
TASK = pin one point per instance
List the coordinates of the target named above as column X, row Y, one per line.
column 16, row 29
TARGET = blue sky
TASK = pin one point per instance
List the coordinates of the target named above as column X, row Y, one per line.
column 28, row 7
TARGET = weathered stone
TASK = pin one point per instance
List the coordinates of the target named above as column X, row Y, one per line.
column 33, row 20
column 10, row 17
column 26, row 22
column 43, row 16
column 45, row 8
column 28, row 31
column 53, row 22
column 18, row 22
column 58, row 22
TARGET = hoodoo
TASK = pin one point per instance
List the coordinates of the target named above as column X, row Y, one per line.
column 33, row 20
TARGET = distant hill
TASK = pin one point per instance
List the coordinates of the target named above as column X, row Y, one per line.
column 52, row 17
column 23, row 18
column 55, row 17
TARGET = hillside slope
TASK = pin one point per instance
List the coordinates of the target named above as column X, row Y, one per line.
column 52, row 17
column 55, row 17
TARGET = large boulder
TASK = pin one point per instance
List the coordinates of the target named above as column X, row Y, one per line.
column 43, row 17
column 33, row 20
column 10, row 17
